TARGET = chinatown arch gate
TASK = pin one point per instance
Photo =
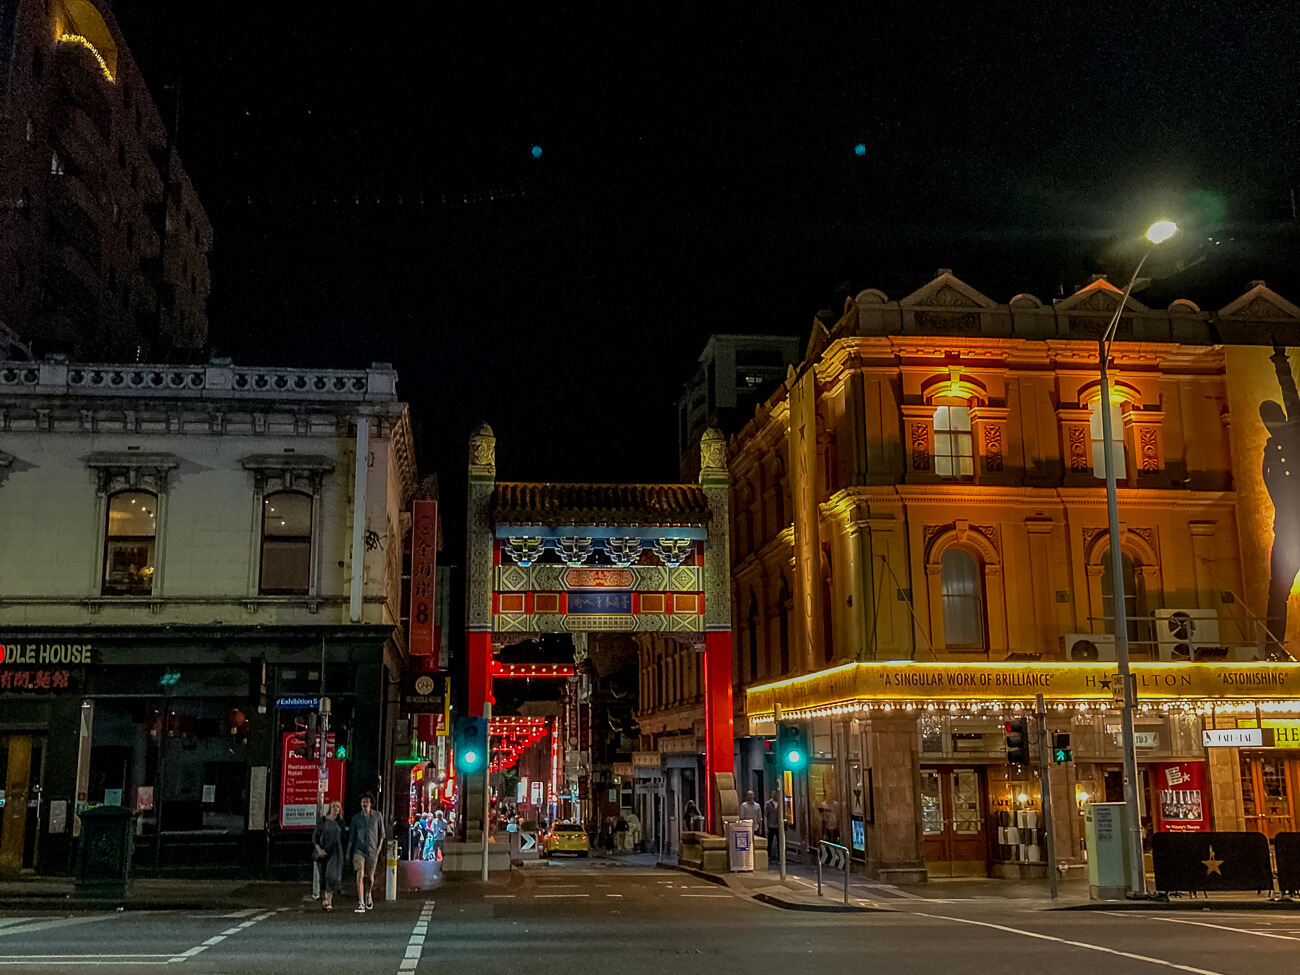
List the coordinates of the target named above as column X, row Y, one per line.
column 605, row 558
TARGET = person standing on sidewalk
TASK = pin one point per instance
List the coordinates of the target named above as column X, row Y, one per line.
column 327, row 841
column 751, row 810
column 772, row 824
column 367, row 842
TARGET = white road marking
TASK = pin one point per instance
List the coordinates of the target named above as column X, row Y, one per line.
column 561, row 895
column 64, row 922
column 1221, row 927
column 1073, row 944
column 498, row 897
column 613, row 895
column 415, row 945
column 706, row 895
column 218, row 938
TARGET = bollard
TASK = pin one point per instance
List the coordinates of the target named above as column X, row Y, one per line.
column 390, row 881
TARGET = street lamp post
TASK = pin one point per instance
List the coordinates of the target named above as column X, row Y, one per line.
column 1157, row 234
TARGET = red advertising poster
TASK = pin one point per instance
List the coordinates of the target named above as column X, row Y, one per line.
column 1182, row 803
column 298, row 785
column 424, row 567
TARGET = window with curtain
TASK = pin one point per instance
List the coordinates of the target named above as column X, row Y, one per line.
column 286, row 544
column 963, row 600
column 1117, row 440
column 129, row 535
column 954, row 448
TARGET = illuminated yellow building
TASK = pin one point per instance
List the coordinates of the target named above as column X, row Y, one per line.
column 920, row 547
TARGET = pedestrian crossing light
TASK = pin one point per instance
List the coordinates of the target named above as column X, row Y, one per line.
column 471, row 744
column 1061, row 751
column 792, row 747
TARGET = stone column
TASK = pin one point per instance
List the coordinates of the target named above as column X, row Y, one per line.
column 719, row 760
column 894, row 837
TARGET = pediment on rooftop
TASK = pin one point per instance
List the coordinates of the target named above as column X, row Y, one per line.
column 947, row 292
column 1261, row 303
column 1099, row 297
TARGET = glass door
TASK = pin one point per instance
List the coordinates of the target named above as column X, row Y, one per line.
column 954, row 840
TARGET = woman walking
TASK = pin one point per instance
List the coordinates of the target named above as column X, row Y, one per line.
column 328, row 840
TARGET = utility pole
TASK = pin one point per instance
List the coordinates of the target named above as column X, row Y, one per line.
column 1045, row 785
column 780, row 799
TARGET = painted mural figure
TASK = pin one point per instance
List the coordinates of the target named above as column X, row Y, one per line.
column 1282, row 478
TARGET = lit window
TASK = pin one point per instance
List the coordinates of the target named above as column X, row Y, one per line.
column 1117, row 440
column 129, row 543
column 286, row 544
column 56, row 165
column 963, row 600
column 954, row 450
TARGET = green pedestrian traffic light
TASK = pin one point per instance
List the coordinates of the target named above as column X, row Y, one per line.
column 1061, row 751
column 792, row 747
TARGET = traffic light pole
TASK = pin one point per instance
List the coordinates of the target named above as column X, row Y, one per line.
column 1044, row 761
column 487, row 791
column 780, row 797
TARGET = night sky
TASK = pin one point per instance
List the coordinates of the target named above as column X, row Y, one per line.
column 371, row 176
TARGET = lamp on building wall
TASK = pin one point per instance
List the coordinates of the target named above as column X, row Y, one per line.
column 1157, row 233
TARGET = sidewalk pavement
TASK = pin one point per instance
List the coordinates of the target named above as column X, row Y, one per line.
column 799, row 892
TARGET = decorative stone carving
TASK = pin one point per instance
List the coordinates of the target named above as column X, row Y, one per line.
column 920, row 446
column 713, row 450
column 1077, row 435
column 1149, row 449
column 993, row 449
column 991, row 533
column 483, row 451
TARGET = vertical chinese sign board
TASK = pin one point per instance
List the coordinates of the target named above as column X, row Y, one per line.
column 298, row 779
column 424, row 569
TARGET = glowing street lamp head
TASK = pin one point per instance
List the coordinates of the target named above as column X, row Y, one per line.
column 1161, row 231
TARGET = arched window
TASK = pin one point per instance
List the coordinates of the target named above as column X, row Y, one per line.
column 954, row 448
column 963, row 600
column 1132, row 600
column 783, row 620
column 286, row 544
column 129, row 535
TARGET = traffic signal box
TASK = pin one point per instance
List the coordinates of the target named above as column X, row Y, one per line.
column 791, row 747
column 471, row 744
column 1061, row 751
column 1018, row 740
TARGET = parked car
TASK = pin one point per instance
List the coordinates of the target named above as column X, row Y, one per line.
column 565, row 838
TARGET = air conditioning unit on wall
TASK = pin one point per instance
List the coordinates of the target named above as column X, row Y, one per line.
column 1083, row 647
column 1180, row 632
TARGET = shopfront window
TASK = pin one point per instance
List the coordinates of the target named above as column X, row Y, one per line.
column 130, row 531
column 824, row 803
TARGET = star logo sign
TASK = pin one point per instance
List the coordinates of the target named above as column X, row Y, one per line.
column 1212, row 865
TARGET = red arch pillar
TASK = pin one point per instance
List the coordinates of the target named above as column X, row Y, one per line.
column 719, row 751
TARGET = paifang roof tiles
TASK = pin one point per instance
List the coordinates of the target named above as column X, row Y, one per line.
column 526, row 503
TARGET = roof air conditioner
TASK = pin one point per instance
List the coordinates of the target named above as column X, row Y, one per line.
column 1180, row 632
column 1083, row 647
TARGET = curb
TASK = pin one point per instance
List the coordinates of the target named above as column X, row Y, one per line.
column 830, row 907
column 712, row 878
column 1182, row 904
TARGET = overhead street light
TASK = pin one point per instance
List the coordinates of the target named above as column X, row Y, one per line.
column 1157, row 233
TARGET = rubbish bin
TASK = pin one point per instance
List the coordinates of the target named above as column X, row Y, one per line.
column 104, row 851
column 740, row 846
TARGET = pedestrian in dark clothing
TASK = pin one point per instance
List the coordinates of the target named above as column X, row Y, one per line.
column 327, row 840
column 366, row 840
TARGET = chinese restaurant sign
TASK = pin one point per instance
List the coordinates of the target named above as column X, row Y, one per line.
column 424, row 556
column 923, row 682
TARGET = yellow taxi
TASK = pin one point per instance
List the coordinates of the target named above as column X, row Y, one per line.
column 565, row 838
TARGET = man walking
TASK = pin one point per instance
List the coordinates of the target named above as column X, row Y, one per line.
column 751, row 810
column 772, row 825
column 367, row 840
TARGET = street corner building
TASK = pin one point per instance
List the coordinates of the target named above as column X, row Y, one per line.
column 920, row 546
column 192, row 557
